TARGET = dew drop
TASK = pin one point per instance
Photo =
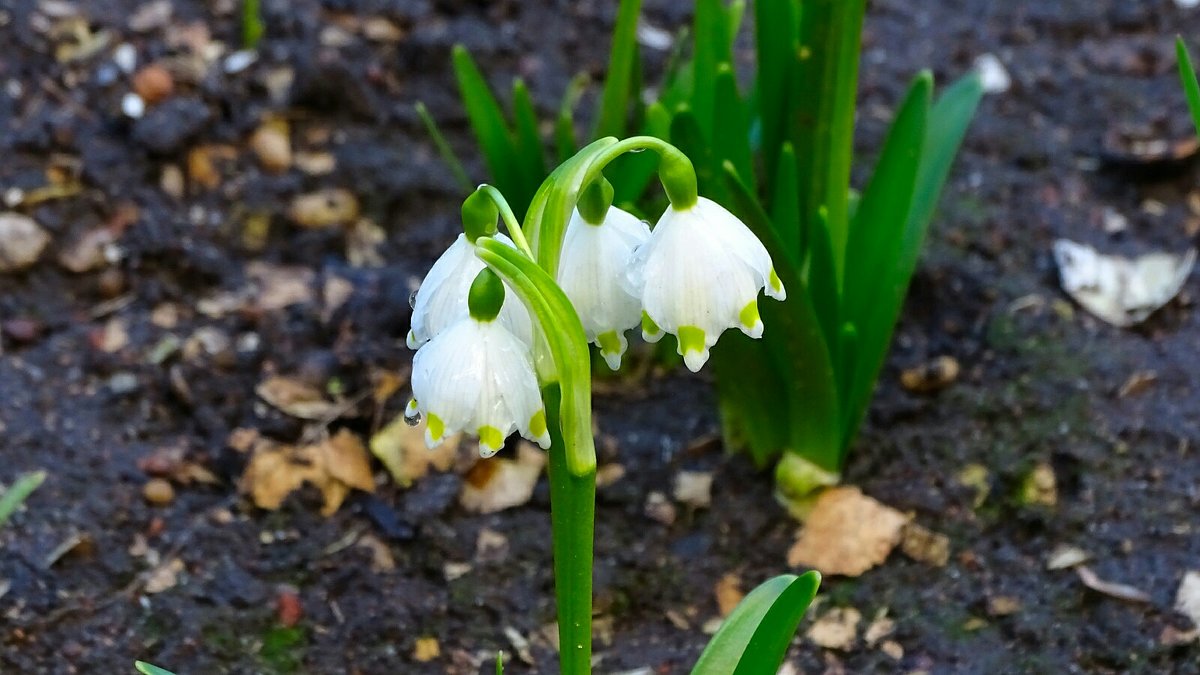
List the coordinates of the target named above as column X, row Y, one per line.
column 412, row 300
column 636, row 151
column 413, row 419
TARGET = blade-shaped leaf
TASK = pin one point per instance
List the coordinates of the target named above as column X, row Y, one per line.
column 785, row 204
column 439, row 141
column 948, row 120
column 614, row 101
column 18, row 492
column 711, row 48
column 530, row 159
column 488, row 122
column 774, row 40
column 732, row 119
column 150, row 669
column 797, row 342
column 1187, row 74
column 564, row 126
column 754, row 638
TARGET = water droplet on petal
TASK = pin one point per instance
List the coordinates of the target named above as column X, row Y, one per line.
column 636, row 150
column 413, row 419
column 412, row 300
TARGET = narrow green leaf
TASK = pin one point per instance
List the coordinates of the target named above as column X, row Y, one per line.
column 948, row 120
column 149, row 669
column 252, row 24
column 731, row 119
column 754, row 638
column 711, row 48
column 676, row 86
column 18, row 492
column 733, row 20
column 530, row 158
column 688, row 135
column 821, row 277
column 1187, row 75
column 488, row 122
column 775, row 45
column 564, row 126
column 614, row 100
column 785, row 203
column 796, row 338
column 439, row 141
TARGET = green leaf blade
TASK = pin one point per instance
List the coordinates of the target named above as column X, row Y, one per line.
column 448, row 155
column 754, row 638
column 618, row 85
column 1187, row 75
column 488, row 123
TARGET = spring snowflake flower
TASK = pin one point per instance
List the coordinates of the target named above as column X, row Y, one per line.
column 442, row 298
column 595, row 258
column 476, row 376
column 700, row 274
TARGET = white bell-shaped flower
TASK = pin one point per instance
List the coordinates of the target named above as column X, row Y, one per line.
column 700, row 274
column 442, row 298
column 595, row 259
column 476, row 376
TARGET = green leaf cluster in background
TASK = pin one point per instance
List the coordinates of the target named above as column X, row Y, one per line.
column 778, row 153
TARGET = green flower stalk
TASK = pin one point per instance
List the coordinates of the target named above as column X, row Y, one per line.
column 583, row 271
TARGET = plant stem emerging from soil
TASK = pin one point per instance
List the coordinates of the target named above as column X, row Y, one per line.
column 573, row 514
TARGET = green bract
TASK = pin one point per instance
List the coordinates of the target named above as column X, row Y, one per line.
column 778, row 154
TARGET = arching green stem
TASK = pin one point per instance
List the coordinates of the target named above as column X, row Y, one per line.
column 509, row 218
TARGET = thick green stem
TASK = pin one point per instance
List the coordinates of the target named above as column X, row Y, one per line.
column 573, row 516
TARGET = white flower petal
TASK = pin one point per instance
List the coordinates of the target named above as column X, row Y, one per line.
column 476, row 376
column 594, row 262
column 699, row 275
column 442, row 298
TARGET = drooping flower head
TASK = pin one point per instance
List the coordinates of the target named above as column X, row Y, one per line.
column 477, row 376
column 441, row 301
column 595, row 257
column 700, row 274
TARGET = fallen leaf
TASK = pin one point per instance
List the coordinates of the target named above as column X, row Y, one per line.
column 728, row 591
column 1138, row 382
column 836, row 629
column 1187, row 598
column 334, row 294
column 22, row 241
column 276, row 287
column 659, row 508
column 1040, row 486
column 846, row 533
column 382, row 559
column 925, row 545
column 163, row 577
column 1115, row 590
column 694, row 488
column 1003, row 605
column 1121, row 291
column 453, row 570
column 324, row 208
column 931, row 376
column 296, row 398
column 335, row 466
column 426, row 649
column 1064, row 556
column 362, row 244
column 315, row 163
column 520, row 644
column 880, row 627
column 499, row 484
column 892, row 649
column 402, row 450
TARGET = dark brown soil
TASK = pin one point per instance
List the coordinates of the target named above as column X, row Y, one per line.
column 1040, row 382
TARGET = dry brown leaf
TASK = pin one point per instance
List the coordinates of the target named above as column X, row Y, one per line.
column 694, row 488
column 1114, row 590
column 334, row 465
column 836, row 629
column 279, row 286
column 296, row 398
column 22, row 241
column 880, row 627
column 402, row 450
column 382, row 559
column 1187, row 598
column 163, row 577
column 1121, row 291
column 426, row 649
column 1138, row 382
column 728, row 591
column 846, row 533
column 334, row 294
column 499, row 484
column 925, row 545
column 324, row 208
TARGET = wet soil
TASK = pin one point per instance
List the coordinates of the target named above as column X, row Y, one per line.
column 1040, row 384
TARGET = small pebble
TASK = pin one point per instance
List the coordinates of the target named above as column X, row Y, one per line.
column 239, row 61
column 158, row 491
column 125, row 57
column 273, row 147
column 154, row 84
column 133, row 106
